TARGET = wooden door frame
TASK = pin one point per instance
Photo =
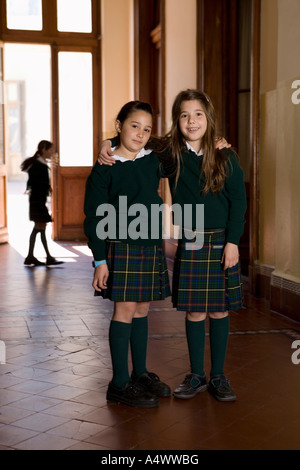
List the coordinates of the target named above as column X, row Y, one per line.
column 64, row 41
column 152, row 37
column 60, row 175
column 254, row 142
column 3, row 170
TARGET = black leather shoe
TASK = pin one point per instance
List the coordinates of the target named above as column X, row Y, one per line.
column 220, row 388
column 31, row 260
column 50, row 261
column 131, row 395
column 151, row 383
column 192, row 384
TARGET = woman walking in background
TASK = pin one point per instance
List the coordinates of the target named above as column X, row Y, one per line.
column 38, row 187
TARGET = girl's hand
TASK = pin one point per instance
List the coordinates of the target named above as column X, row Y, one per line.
column 105, row 154
column 230, row 255
column 222, row 143
column 100, row 277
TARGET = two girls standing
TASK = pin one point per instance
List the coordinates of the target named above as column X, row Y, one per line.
column 205, row 281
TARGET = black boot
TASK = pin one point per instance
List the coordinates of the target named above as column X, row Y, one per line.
column 50, row 261
column 31, row 260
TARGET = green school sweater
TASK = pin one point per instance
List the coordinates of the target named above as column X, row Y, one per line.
column 224, row 210
column 131, row 191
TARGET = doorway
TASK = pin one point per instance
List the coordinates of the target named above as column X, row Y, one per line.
column 29, row 79
column 27, row 121
column 51, row 69
column 28, row 103
column 74, row 89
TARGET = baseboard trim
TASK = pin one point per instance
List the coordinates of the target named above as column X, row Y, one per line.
column 283, row 294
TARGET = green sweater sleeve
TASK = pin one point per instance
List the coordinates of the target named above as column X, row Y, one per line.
column 236, row 193
column 96, row 193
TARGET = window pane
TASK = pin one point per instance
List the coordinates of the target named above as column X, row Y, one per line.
column 24, row 14
column 27, row 102
column 75, row 109
column 74, row 16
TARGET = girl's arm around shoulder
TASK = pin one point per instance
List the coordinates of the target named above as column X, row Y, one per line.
column 163, row 165
column 163, row 152
column 105, row 156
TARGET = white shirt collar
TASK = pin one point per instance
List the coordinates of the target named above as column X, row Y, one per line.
column 142, row 153
column 189, row 147
column 40, row 159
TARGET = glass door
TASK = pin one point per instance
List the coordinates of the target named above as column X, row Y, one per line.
column 27, row 122
column 67, row 90
column 27, row 103
column 74, row 91
column 75, row 88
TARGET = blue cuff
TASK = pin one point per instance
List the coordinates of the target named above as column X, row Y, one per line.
column 97, row 263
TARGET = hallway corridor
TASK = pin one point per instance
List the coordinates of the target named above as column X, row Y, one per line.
column 53, row 384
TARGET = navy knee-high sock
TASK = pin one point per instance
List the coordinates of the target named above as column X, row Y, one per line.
column 195, row 333
column 119, row 338
column 219, row 332
column 139, row 343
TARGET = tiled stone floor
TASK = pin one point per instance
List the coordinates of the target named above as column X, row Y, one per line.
column 53, row 384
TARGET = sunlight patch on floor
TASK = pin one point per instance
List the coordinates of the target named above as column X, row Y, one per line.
column 20, row 228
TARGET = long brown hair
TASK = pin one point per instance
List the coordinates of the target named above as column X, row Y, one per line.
column 214, row 163
column 43, row 145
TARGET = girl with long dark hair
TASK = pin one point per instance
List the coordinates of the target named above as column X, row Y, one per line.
column 38, row 188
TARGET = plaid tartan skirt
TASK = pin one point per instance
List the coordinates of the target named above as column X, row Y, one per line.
column 200, row 284
column 136, row 273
